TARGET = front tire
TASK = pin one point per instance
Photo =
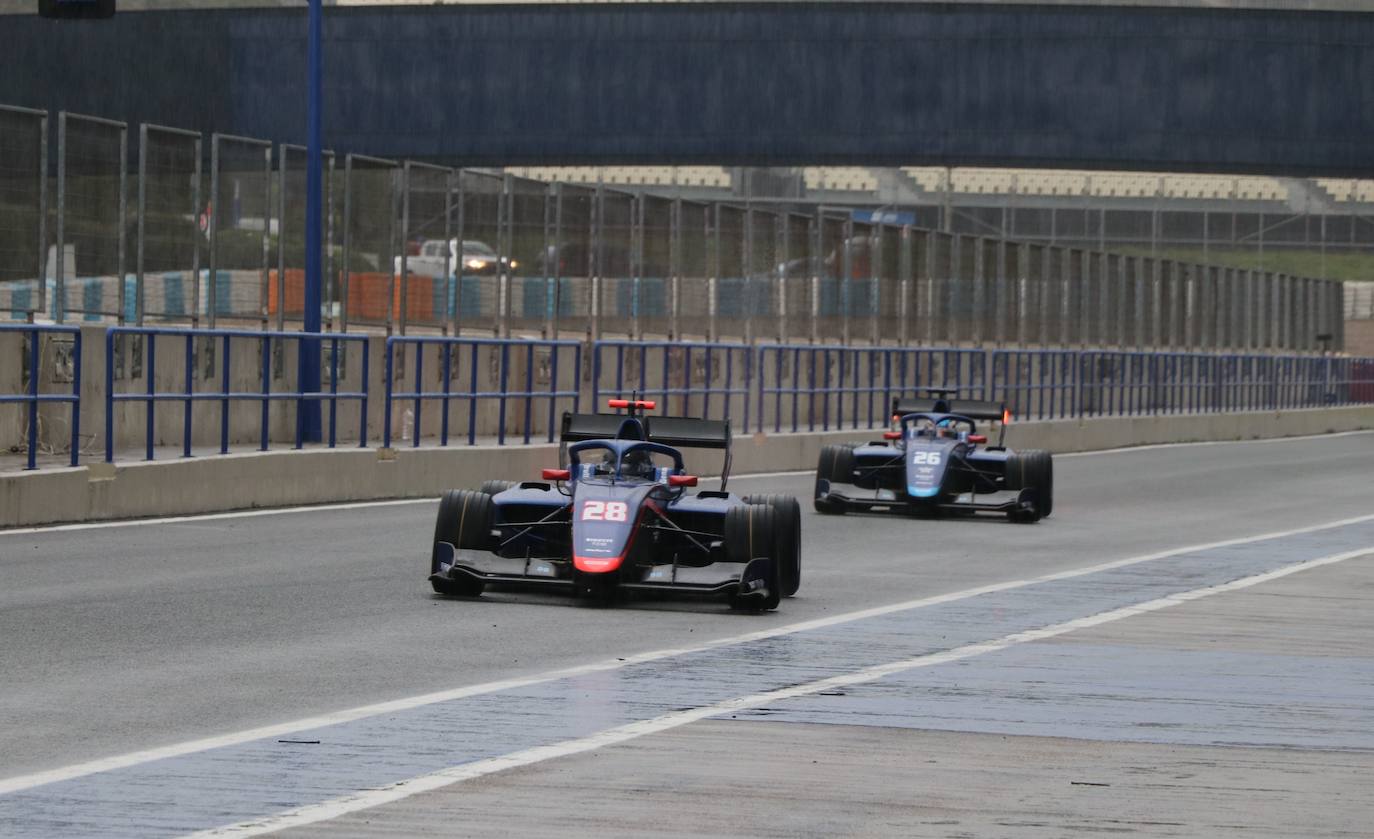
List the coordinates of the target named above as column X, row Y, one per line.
column 786, row 536
column 464, row 521
column 836, row 465
column 495, row 487
column 749, row 534
column 1032, row 470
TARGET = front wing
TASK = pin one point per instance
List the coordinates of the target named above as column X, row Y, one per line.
column 888, row 500
column 718, row 579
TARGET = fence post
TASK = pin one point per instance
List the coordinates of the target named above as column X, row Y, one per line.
column 904, row 272
column 400, row 317
column 675, row 271
column 59, row 304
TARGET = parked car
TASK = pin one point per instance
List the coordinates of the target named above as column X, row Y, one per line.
column 478, row 259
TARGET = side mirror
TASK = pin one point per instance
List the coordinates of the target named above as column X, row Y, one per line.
column 557, row 474
column 977, row 438
column 682, row 480
column 892, row 435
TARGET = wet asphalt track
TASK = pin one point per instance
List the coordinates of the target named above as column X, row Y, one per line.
column 127, row 638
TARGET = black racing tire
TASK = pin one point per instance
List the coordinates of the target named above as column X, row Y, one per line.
column 464, row 521
column 836, row 464
column 787, row 537
column 748, row 534
column 1032, row 469
column 494, row 487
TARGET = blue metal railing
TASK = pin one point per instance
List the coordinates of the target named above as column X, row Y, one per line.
column 686, row 375
column 810, row 383
column 771, row 387
column 33, row 398
column 537, row 353
column 188, row 395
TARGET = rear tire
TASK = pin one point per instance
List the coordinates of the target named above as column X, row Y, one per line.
column 749, row 534
column 494, row 487
column 786, row 536
column 836, row 465
column 1032, row 470
column 464, row 521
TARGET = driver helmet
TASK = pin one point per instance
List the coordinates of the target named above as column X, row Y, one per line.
column 637, row 463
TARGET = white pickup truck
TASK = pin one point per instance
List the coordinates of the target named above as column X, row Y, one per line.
column 478, row 258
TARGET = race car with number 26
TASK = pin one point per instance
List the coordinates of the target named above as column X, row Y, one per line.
column 935, row 461
column 618, row 518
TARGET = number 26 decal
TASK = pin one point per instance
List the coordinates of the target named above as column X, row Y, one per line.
column 605, row 511
column 927, row 458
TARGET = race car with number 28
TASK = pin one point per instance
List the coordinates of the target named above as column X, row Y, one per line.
column 618, row 518
column 935, row 461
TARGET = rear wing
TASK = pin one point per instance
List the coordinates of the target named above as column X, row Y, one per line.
column 579, row 427
column 689, row 433
column 978, row 409
column 678, row 432
column 918, row 405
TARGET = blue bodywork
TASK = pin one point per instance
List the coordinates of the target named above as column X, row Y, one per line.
column 933, row 460
column 614, row 520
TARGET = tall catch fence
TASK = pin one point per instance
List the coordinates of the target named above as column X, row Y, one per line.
column 211, row 233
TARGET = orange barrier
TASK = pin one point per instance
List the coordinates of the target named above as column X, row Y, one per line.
column 367, row 296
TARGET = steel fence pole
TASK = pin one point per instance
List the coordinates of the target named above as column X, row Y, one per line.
column 979, row 292
column 266, row 237
column 121, row 246
column 141, row 209
column 904, row 271
column 400, row 316
column 59, row 303
column 347, row 242
column 675, row 271
column 42, row 279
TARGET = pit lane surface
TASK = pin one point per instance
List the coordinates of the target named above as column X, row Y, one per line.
column 126, row 638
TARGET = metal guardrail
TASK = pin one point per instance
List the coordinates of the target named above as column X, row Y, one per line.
column 499, row 350
column 815, row 382
column 188, row 396
column 514, row 388
column 33, row 398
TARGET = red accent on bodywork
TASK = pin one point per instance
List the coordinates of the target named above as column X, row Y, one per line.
column 556, row 474
column 682, row 480
column 607, row 564
column 892, row 435
column 977, row 438
column 647, row 405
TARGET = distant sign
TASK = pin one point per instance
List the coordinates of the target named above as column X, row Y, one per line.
column 884, row 216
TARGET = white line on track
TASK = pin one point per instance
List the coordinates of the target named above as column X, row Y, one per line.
column 359, row 505
column 369, row 799
column 107, row 764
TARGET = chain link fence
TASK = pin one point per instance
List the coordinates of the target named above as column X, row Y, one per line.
column 240, row 218
column 286, row 283
column 89, row 277
column 170, row 239
column 211, row 231
column 23, row 211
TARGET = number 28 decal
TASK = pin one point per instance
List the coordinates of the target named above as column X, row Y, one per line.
column 927, row 458
column 605, row 511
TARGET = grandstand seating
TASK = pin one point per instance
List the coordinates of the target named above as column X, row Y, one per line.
column 694, row 176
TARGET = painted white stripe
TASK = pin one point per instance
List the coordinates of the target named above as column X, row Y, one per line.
column 23, row 782
column 241, row 514
column 368, row 799
column 358, row 505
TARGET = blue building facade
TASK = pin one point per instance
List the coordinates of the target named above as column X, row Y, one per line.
column 742, row 84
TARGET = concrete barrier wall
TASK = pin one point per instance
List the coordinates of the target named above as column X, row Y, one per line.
column 272, row 479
